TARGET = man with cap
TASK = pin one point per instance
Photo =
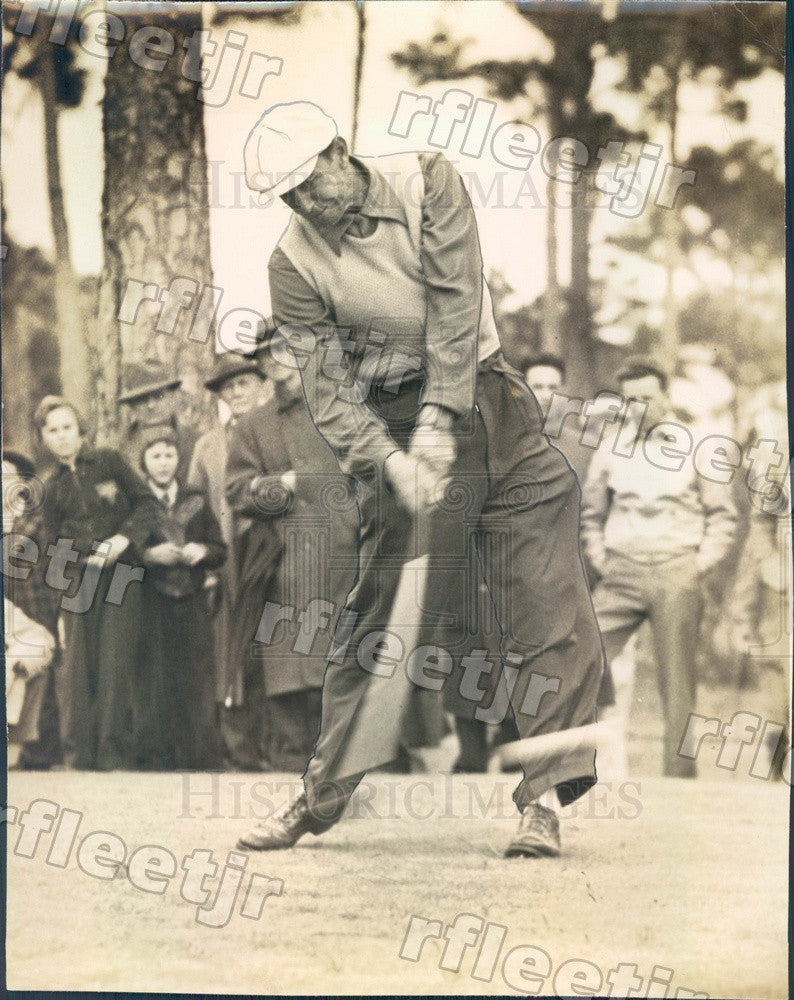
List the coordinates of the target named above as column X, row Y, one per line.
column 380, row 278
column 150, row 394
column 236, row 380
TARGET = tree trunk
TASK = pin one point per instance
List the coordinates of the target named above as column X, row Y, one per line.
column 71, row 327
column 155, row 221
column 361, row 34
column 579, row 348
column 550, row 320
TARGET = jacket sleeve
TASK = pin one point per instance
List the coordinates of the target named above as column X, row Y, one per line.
column 452, row 268
column 251, row 489
column 205, row 529
column 143, row 517
column 359, row 438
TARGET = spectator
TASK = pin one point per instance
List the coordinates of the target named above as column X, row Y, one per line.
column 30, row 625
column 236, row 380
column 297, row 525
column 176, row 689
column 758, row 630
column 152, row 398
column 545, row 375
column 96, row 503
column 653, row 533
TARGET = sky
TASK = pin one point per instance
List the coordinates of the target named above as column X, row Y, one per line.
column 316, row 64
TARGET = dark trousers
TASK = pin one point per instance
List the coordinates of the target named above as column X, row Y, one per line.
column 518, row 496
column 93, row 678
column 669, row 596
column 174, row 696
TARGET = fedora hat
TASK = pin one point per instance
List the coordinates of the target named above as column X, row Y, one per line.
column 140, row 381
column 227, row 366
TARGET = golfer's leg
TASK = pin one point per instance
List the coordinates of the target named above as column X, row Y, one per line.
column 550, row 635
column 385, row 544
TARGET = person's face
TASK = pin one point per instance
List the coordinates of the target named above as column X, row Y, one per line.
column 160, row 461
column 325, row 196
column 544, row 381
column 13, row 502
column 158, row 407
column 61, row 434
column 647, row 390
column 240, row 393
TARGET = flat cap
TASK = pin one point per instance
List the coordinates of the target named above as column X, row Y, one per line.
column 282, row 148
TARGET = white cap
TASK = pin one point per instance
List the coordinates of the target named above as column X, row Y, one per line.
column 282, row 148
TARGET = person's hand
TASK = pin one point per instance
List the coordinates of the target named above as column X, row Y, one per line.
column 432, row 441
column 193, row 553
column 109, row 551
column 164, row 554
column 415, row 484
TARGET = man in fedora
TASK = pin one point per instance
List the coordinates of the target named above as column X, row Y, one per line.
column 237, row 381
column 380, row 278
column 296, row 527
column 151, row 397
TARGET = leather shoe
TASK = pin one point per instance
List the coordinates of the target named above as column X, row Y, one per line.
column 284, row 828
column 538, row 834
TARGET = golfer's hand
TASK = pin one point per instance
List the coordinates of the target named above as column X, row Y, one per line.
column 416, row 485
column 432, row 441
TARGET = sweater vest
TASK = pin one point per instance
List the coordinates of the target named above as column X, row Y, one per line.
column 376, row 288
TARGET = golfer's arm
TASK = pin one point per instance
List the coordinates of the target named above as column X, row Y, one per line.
column 452, row 267
column 359, row 438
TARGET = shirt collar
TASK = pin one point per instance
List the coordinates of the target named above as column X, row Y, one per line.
column 381, row 202
column 166, row 496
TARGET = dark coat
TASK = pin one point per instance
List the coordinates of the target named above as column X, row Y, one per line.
column 190, row 520
column 293, row 549
column 175, row 696
column 101, row 498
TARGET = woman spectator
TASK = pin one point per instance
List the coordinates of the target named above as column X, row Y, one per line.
column 176, row 683
column 98, row 504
